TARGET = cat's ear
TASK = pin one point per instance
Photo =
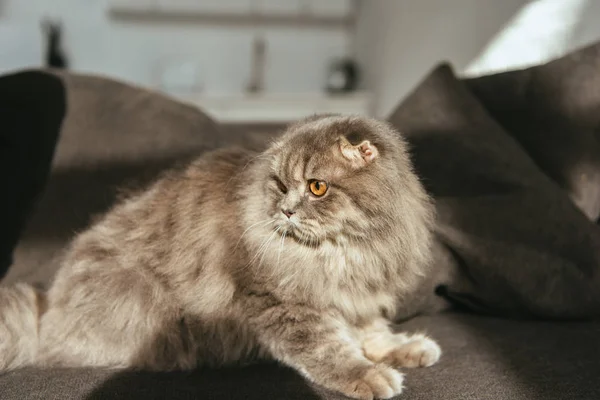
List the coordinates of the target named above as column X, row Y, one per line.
column 360, row 154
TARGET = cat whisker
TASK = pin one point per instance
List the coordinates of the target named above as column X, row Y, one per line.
column 279, row 253
column 264, row 222
column 297, row 271
column 267, row 246
column 281, row 247
column 264, row 252
column 262, row 248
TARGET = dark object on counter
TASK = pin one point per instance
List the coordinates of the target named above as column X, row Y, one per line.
column 257, row 75
column 55, row 56
column 343, row 76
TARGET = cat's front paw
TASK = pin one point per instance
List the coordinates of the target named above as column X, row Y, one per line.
column 418, row 351
column 379, row 382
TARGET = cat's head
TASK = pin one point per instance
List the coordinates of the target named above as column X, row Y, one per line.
column 338, row 177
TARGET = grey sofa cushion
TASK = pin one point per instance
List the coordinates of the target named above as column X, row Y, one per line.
column 553, row 111
column 484, row 359
column 519, row 246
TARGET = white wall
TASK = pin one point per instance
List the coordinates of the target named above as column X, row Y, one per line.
column 399, row 41
column 298, row 57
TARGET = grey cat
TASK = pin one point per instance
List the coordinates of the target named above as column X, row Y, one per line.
column 303, row 254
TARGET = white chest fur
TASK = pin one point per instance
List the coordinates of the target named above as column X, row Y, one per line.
column 340, row 276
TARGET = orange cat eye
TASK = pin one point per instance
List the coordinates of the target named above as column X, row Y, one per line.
column 318, row 188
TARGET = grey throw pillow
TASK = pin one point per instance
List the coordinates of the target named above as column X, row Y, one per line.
column 32, row 107
column 553, row 111
column 521, row 247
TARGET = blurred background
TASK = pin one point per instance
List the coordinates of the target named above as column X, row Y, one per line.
column 277, row 60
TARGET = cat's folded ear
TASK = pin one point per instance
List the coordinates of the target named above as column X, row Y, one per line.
column 359, row 152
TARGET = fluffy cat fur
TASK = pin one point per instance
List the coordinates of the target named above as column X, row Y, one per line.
column 233, row 259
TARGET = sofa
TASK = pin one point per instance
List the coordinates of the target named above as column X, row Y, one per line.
column 512, row 161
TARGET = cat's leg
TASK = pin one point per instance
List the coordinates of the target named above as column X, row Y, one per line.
column 380, row 344
column 324, row 348
column 120, row 318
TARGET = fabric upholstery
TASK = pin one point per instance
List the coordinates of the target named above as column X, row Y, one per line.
column 32, row 106
column 519, row 244
column 484, row 359
column 553, row 111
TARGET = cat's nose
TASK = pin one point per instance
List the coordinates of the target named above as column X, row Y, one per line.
column 287, row 213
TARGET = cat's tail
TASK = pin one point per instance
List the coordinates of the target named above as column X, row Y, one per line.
column 21, row 307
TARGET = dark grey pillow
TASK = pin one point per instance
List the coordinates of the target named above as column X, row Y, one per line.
column 32, row 107
column 553, row 111
column 521, row 246
column 114, row 135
